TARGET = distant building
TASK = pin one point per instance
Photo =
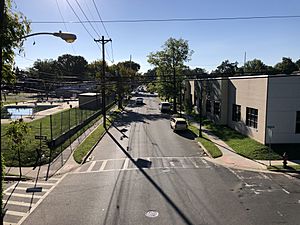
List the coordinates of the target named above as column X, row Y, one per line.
column 90, row 101
column 252, row 105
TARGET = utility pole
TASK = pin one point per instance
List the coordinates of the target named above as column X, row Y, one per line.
column 103, row 42
column 2, row 2
column 174, row 83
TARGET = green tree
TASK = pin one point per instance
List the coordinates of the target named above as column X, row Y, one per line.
column 227, row 68
column 255, row 66
column 286, row 66
column 70, row 65
column 17, row 133
column 170, row 64
column 298, row 64
column 15, row 26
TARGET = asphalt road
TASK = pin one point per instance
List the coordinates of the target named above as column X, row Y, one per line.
column 150, row 175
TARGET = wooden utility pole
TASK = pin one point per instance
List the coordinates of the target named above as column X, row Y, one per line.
column 103, row 42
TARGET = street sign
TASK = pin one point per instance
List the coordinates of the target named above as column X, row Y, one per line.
column 34, row 189
column 40, row 137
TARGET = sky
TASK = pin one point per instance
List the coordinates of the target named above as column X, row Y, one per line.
column 212, row 41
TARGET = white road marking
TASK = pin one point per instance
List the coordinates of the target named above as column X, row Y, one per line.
column 15, row 213
column 285, row 191
column 279, row 213
column 25, row 188
column 9, row 223
column 182, row 163
column 103, row 165
column 194, row 163
column 19, row 203
column 23, row 195
column 125, row 165
column 38, row 183
column 91, row 166
column 41, row 199
column 172, row 164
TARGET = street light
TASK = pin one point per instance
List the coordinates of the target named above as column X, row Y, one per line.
column 68, row 37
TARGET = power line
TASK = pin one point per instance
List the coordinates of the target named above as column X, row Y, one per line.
column 101, row 19
column 82, row 23
column 65, row 25
column 180, row 19
column 87, row 18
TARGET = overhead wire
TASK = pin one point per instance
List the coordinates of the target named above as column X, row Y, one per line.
column 65, row 25
column 87, row 18
column 82, row 23
column 181, row 19
column 104, row 27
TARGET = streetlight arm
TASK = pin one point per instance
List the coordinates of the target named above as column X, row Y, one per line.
column 68, row 37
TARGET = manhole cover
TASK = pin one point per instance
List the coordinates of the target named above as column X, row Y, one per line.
column 152, row 213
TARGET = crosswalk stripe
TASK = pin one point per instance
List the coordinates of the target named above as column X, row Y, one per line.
column 25, row 188
column 125, row 165
column 103, row 165
column 193, row 162
column 23, row 195
column 38, row 183
column 91, row 166
column 15, row 213
column 19, row 203
column 9, row 223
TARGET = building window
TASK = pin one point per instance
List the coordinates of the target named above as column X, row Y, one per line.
column 236, row 112
column 217, row 108
column 298, row 122
column 251, row 117
column 208, row 106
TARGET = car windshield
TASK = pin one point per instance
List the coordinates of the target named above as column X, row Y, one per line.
column 159, row 112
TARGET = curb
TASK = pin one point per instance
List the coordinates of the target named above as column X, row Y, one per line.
column 205, row 150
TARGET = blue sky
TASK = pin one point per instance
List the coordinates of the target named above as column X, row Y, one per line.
column 212, row 41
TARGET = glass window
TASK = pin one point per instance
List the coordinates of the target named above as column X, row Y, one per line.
column 208, row 106
column 251, row 117
column 217, row 109
column 298, row 122
column 236, row 112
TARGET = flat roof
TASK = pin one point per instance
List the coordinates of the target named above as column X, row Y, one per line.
column 89, row 94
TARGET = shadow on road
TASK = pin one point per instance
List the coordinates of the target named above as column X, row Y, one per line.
column 140, row 164
column 186, row 134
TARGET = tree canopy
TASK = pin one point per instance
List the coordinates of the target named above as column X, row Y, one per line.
column 15, row 26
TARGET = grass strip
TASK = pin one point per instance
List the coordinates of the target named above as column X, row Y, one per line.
column 213, row 150
column 82, row 150
column 88, row 143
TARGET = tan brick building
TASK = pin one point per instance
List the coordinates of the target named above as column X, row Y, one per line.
column 257, row 106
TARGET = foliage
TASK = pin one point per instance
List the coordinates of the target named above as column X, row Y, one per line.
column 298, row 64
column 243, row 145
column 286, row 66
column 15, row 27
column 227, row 68
column 255, row 66
column 167, row 61
column 70, row 65
column 17, row 133
column 213, row 150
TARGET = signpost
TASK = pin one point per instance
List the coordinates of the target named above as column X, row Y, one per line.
column 270, row 134
column 40, row 137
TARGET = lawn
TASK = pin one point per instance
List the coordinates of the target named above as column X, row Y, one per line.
column 61, row 122
column 243, row 145
column 213, row 150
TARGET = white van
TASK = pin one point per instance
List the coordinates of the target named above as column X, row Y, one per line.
column 165, row 106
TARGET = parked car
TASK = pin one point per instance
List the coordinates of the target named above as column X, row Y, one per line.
column 178, row 123
column 139, row 101
column 165, row 106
